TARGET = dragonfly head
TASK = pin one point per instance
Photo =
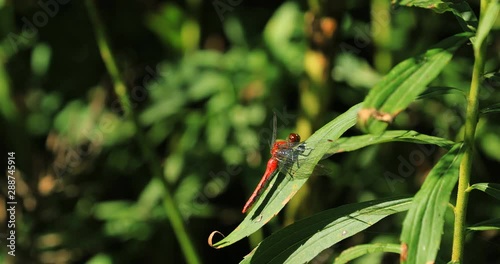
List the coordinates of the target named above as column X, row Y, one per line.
column 293, row 137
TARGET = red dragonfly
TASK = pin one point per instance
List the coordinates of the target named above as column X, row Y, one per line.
column 282, row 152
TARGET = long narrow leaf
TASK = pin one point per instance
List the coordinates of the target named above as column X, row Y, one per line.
column 404, row 83
column 461, row 9
column 435, row 91
column 487, row 21
column 491, row 109
column 360, row 250
column 303, row 240
column 492, row 189
column 283, row 187
column 357, row 142
column 423, row 226
column 492, row 224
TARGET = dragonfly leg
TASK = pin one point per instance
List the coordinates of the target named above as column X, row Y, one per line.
column 301, row 152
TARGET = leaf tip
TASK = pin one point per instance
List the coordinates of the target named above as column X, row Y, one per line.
column 211, row 236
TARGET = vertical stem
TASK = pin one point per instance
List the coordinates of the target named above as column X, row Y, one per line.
column 108, row 59
column 169, row 204
column 466, row 163
column 381, row 32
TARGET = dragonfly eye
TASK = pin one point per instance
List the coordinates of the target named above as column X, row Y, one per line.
column 293, row 137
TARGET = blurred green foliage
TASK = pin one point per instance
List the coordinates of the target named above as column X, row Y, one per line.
column 204, row 91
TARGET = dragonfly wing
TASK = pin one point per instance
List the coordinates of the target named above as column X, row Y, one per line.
column 275, row 128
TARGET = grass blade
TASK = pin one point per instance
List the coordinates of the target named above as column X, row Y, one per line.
column 435, row 91
column 492, row 224
column 357, row 142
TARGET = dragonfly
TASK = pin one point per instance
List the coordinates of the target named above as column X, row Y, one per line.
column 284, row 153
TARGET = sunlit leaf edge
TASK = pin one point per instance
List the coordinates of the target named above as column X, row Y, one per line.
column 491, row 224
column 346, row 144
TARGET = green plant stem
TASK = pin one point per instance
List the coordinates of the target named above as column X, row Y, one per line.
column 381, row 32
column 108, row 58
column 466, row 163
column 169, row 204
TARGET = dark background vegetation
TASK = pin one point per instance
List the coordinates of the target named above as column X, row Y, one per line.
column 84, row 189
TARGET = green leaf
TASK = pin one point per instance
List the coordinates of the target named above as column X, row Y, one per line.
column 487, row 21
column 357, row 142
column 492, row 189
column 492, row 224
column 164, row 108
column 167, row 25
column 464, row 14
column 207, row 84
column 305, row 239
column 404, row 83
column 438, row 6
column 40, row 59
column 235, row 31
column 491, row 109
column 355, row 71
column 282, row 188
column 423, row 226
column 284, row 35
column 100, row 258
column 440, row 90
column 360, row 250
column 113, row 210
column 461, row 9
